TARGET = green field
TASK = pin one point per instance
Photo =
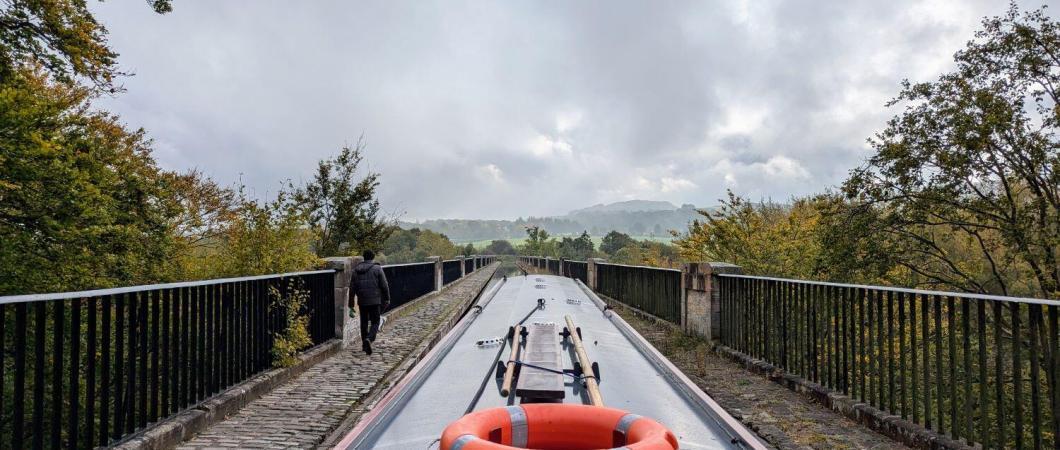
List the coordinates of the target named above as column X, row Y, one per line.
column 596, row 240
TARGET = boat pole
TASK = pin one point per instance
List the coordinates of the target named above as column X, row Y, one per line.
column 509, row 371
column 591, row 386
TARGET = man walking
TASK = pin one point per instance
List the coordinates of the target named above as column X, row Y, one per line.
column 373, row 297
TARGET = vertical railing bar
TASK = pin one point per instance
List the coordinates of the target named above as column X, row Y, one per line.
column 867, row 323
column 914, row 374
column 18, row 399
column 902, row 375
column 130, row 384
column 3, row 362
column 1035, row 312
column 73, row 417
column 955, row 424
column 1054, row 374
column 106, row 394
column 999, row 375
column 846, row 333
column 938, row 365
column 55, row 425
column 38, row 373
column 925, row 304
column 984, row 405
column 969, row 432
column 891, row 355
column 155, row 317
column 144, row 336
column 168, row 348
column 1017, row 378
column 90, row 375
column 201, row 329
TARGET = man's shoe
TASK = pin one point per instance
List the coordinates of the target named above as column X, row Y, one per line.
column 367, row 347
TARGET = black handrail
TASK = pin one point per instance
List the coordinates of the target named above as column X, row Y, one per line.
column 93, row 367
column 978, row 368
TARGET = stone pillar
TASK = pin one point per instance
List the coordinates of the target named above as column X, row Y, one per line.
column 463, row 268
column 437, row 260
column 701, row 306
column 591, row 275
column 343, row 267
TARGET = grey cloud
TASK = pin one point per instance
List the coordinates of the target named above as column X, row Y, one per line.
column 660, row 100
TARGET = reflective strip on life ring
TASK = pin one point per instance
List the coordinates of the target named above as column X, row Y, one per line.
column 556, row 426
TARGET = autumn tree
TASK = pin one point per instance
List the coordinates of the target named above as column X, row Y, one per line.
column 341, row 206
column 580, row 248
column 82, row 203
column 538, row 242
column 63, row 38
column 965, row 182
column 614, row 241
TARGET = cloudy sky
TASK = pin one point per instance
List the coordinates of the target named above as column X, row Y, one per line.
column 503, row 109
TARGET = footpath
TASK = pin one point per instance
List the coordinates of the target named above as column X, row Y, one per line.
column 304, row 411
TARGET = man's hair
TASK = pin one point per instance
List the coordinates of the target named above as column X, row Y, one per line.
column 368, row 254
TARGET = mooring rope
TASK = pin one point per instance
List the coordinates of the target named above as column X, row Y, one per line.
column 493, row 365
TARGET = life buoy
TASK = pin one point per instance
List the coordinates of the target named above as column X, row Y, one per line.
column 555, row 426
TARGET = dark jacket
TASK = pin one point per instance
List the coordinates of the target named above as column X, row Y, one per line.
column 369, row 284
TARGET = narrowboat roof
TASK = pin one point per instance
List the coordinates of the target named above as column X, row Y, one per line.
column 634, row 376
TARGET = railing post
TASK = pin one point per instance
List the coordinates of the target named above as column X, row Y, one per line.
column 590, row 275
column 343, row 267
column 562, row 267
column 463, row 267
column 700, row 298
column 437, row 260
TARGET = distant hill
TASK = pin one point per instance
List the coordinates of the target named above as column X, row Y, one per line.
column 627, row 206
column 634, row 217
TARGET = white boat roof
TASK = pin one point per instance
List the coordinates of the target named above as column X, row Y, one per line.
column 634, row 376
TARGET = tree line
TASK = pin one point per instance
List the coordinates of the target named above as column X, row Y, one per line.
column 83, row 203
column 962, row 193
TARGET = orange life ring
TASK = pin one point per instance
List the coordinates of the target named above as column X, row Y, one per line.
column 554, row 426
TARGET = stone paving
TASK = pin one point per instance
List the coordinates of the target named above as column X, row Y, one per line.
column 302, row 412
column 783, row 418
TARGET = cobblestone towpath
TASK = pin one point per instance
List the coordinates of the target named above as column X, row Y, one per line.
column 783, row 418
column 302, row 412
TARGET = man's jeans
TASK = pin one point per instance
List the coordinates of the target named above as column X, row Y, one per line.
column 370, row 321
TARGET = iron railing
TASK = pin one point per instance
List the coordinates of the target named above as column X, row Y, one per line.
column 653, row 290
column 978, row 368
column 552, row 266
column 87, row 369
column 469, row 265
column 409, row 281
column 450, row 271
column 577, row 269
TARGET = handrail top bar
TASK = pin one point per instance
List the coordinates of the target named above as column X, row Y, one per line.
column 408, row 264
column 1003, row 298
column 10, row 299
column 639, row 267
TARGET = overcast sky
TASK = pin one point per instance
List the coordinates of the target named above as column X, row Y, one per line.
column 513, row 108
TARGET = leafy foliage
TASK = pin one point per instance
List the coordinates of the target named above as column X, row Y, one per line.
column 580, row 248
column 538, row 242
column 499, row 247
column 342, row 210
column 82, row 203
column 63, row 38
column 295, row 336
column 614, row 241
column 415, row 245
column 965, row 183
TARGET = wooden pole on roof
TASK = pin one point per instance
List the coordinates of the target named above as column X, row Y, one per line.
column 509, row 371
column 591, row 385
